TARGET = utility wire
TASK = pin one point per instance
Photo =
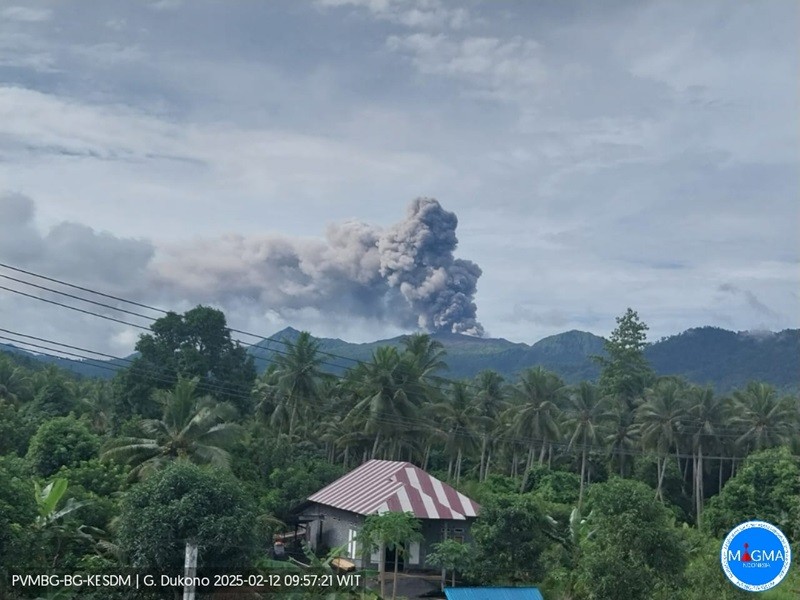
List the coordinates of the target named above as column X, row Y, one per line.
column 406, row 422
column 156, row 309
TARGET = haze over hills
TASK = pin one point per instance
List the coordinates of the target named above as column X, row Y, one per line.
column 704, row 355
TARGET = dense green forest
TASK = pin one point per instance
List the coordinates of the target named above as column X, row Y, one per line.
column 619, row 488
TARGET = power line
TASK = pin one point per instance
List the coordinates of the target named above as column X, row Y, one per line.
column 397, row 421
column 149, row 307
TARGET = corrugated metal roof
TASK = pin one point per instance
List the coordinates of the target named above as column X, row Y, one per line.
column 493, row 593
column 380, row 486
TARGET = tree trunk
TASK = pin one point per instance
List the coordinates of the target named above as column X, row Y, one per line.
column 375, row 444
column 458, row 467
column 583, row 477
column 396, row 561
column 382, row 569
column 542, row 453
column 481, row 475
column 528, row 465
column 427, row 456
column 488, row 463
column 699, row 483
column 719, row 483
column 658, row 476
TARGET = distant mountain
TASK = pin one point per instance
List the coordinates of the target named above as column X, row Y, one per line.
column 705, row 355
column 728, row 360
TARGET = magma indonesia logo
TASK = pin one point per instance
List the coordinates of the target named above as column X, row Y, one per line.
column 756, row 556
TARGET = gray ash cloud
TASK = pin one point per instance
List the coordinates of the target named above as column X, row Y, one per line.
column 406, row 274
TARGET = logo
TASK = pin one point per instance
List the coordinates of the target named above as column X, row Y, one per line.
column 756, row 556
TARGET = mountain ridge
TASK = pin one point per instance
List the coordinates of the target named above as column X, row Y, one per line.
column 704, row 355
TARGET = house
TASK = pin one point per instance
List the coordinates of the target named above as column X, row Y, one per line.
column 335, row 514
column 493, row 593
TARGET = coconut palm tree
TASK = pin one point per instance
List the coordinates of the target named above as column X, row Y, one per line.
column 490, row 402
column 586, row 413
column 705, row 415
column 297, row 376
column 536, row 397
column 16, row 385
column 658, row 422
column 765, row 419
column 195, row 429
column 392, row 395
column 460, row 419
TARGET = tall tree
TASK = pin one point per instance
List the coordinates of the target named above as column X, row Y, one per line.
column 490, row 402
column 765, row 418
column 297, row 377
column 536, row 397
column 706, row 413
column 659, row 422
column 587, row 412
column 460, row 419
column 197, row 344
column 625, row 371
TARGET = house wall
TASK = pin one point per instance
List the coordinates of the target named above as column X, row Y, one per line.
column 338, row 526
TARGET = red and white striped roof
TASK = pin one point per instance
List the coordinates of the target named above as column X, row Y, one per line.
column 380, row 486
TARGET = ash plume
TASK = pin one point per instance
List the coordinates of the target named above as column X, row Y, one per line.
column 406, row 274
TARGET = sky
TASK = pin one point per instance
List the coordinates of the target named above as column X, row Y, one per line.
column 266, row 158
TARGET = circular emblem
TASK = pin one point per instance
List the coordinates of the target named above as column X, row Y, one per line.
column 756, row 556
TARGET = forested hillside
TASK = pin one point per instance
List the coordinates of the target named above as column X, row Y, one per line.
column 723, row 359
column 189, row 441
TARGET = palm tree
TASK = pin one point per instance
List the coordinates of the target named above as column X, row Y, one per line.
column 490, row 402
column 459, row 417
column 622, row 437
column 586, row 413
column 658, row 422
column 15, row 382
column 297, row 377
column 536, row 397
column 766, row 419
column 428, row 355
column 392, row 395
column 706, row 413
column 194, row 429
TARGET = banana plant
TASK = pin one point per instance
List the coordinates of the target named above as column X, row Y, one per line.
column 49, row 520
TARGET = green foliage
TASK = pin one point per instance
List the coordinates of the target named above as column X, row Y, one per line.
column 15, row 430
column 17, row 511
column 96, row 476
column 195, row 344
column 625, row 370
column 195, row 429
column 634, row 549
column 766, row 487
column 290, row 485
column 703, row 577
column 509, row 538
column 559, row 487
column 62, row 441
column 390, row 530
column 185, row 502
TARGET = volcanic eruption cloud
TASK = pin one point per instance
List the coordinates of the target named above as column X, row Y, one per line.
column 406, row 274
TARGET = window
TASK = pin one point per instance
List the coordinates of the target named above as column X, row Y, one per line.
column 413, row 553
column 352, row 545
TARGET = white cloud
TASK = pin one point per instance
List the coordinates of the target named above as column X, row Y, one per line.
column 26, row 14
column 415, row 14
column 509, row 69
